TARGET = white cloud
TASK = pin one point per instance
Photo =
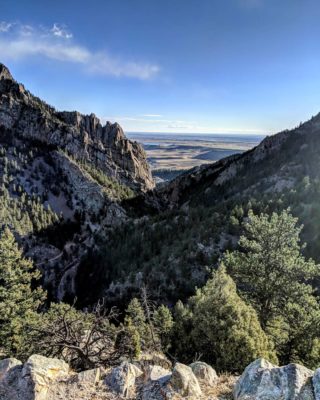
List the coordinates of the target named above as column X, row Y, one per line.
column 5, row 26
column 60, row 31
column 152, row 115
column 18, row 41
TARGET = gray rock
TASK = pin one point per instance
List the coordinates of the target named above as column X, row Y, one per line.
column 122, row 379
column 155, row 390
column 184, row 382
column 262, row 380
column 5, row 73
column 316, row 383
column 156, row 373
column 38, row 374
column 6, row 365
column 204, row 373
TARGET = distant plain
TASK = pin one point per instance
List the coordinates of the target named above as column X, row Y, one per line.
column 184, row 151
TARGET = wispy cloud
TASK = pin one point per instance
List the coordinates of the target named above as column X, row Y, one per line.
column 5, row 26
column 61, row 31
column 20, row 41
column 152, row 115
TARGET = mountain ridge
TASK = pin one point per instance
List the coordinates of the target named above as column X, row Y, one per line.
column 222, row 171
column 83, row 136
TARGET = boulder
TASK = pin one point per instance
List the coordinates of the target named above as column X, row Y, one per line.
column 156, row 380
column 122, row 379
column 6, row 365
column 316, row 383
column 184, row 382
column 262, row 380
column 155, row 390
column 204, row 373
column 38, row 374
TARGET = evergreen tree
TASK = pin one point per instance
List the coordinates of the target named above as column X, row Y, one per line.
column 18, row 299
column 275, row 278
column 270, row 267
column 224, row 331
column 181, row 338
column 163, row 324
column 135, row 312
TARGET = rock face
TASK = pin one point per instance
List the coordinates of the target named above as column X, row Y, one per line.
column 82, row 136
column 262, row 380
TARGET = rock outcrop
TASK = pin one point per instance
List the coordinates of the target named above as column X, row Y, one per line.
column 31, row 381
column 262, row 380
column 38, row 374
column 82, row 136
column 122, row 379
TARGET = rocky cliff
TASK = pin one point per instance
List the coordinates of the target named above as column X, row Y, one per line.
column 82, row 136
column 63, row 176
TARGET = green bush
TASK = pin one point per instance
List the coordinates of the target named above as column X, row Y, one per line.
column 224, row 330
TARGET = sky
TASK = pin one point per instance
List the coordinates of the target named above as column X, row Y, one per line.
column 183, row 66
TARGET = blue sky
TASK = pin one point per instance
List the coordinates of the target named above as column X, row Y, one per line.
column 235, row 66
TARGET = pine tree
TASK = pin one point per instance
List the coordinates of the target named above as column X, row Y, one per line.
column 135, row 318
column 270, row 267
column 163, row 324
column 275, row 278
column 18, row 298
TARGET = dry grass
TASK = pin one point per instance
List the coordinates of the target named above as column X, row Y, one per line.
column 223, row 389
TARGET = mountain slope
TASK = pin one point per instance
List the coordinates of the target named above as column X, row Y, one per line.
column 63, row 176
column 199, row 216
column 274, row 164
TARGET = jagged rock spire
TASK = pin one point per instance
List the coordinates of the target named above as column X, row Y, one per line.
column 5, row 73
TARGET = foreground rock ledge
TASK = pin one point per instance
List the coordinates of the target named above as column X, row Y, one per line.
column 42, row 378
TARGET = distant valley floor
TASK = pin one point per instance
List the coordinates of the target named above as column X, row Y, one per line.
column 181, row 152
